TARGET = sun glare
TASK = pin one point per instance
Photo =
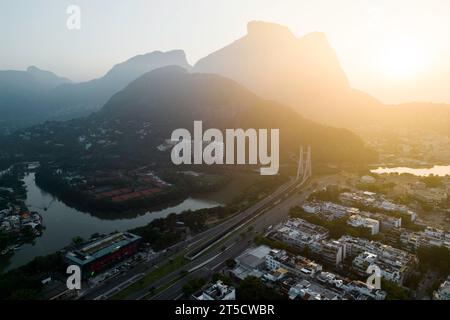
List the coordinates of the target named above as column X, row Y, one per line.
column 402, row 60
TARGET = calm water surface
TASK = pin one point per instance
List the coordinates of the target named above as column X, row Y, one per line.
column 422, row 172
column 63, row 223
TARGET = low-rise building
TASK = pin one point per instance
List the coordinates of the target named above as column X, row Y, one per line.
column 330, row 252
column 302, row 279
column 250, row 262
column 218, row 292
column 297, row 265
column 443, row 293
column 395, row 264
column 99, row 254
column 300, row 233
column 328, row 210
column 386, row 222
column 375, row 201
column 430, row 237
column 359, row 221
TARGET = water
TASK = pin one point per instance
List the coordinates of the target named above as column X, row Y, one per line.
column 421, row 172
column 63, row 223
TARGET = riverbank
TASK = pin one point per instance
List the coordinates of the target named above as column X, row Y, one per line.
column 63, row 223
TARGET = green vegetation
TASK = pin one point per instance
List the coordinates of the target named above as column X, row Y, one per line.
column 25, row 282
column 329, row 194
column 434, row 258
column 76, row 241
column 5, row 240
column 254, row 289
column 262, row 186
column 13, row 188
column 413, row 281
column 171, row 266
column 221, row 277
column 230, row 263
column 164, row 232
column 383, row 188
column 432, row 181
column 394, row 291
column 192, row 286
column 48, row 181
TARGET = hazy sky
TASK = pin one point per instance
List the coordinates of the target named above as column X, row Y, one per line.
column 396, row 50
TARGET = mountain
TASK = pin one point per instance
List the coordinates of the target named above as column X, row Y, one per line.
column 23, row 96
column 305, row 74
column 171, row 98
column 139, row 118
column 33, row 96
column 31, row 80
column 46, row 78
column 80, row 99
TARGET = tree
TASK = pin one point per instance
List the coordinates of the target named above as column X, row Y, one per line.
column 252, row 288
column 394, row 291
column 433, row 181
column 25, row 294
column 193, row 285
column 4, row 240
column 221, row 277
column 28, row 232
column 230, row 263
column 435, row 258
column 77, row 240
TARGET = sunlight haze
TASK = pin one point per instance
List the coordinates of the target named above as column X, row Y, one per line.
column 395, row 50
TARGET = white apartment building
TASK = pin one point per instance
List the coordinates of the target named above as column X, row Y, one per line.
column 359, row 221
column 218, row 291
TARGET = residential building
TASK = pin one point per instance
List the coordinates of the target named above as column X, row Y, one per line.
column 359, row 221
column 443, row 293
column 330, row 252
column 218, row 291
column 297, row 265
column 395, row 264
column 250, row 262
column 300, row 233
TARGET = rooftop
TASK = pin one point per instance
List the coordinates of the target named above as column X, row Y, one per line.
column 101, row 247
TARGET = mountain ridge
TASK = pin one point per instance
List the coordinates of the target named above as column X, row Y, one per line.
column 22, row 93
column 304, row 73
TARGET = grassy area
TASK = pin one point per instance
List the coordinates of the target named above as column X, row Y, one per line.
column 156, row 274
column 162, row 288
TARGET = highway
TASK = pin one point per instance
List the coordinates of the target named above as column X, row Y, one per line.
column 235, row 245
column 213, row 260
column 268, row 212
column 107, row 289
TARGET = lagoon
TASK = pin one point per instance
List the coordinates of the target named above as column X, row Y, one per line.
column 62, row 223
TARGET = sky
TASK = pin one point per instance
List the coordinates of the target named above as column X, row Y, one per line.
column 396, row 50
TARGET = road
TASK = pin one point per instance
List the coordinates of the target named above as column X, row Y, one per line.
column 214, row 260
column 235, row 244
column 105, row 290
column 268, row 212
